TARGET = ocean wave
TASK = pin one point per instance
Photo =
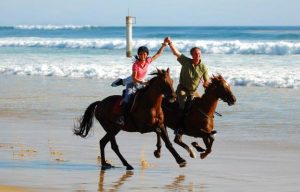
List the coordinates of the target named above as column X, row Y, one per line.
column 208, row 47
column 54, row 27
column 267, row 81
column 244, row 77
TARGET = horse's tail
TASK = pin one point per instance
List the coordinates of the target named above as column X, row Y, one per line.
column 86, row 121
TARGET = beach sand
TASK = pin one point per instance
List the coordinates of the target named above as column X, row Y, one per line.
column 257, row 147
column 14, row 189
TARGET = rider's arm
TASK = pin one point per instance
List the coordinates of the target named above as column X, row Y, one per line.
column 205, row 83
column 134, row 78
column 205, row 78
column 174, row 50
column 160, row 51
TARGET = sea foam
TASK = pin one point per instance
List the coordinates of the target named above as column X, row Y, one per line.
column 244, row 76
column 53, row 27
column 208, row 47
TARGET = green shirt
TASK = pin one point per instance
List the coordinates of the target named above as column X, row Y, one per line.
column 190, row 75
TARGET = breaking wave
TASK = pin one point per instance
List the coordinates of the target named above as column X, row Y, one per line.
column 208, row 47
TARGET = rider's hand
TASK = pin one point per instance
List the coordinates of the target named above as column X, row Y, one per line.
column 145, row 82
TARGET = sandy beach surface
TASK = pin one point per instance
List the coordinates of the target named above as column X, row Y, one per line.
column 257, row 147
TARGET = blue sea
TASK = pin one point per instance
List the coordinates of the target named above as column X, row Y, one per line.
column 246, row 56
column 49, row 75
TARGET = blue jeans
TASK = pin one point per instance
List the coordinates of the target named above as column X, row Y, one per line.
column 131, row 89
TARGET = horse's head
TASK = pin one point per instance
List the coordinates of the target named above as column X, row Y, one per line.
column 222, row 88
column 166, row 83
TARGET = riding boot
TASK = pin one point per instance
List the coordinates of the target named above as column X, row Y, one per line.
column 120, row 120
column 179, row 128
column 186, row 110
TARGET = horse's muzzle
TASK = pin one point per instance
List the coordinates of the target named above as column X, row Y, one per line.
column 231, row 100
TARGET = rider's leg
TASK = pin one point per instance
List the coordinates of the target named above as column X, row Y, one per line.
column 188, row 104
column 181, row 97
column 129, row 92
column 121, row 119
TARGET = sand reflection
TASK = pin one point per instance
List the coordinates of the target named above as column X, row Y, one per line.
column 115, row 185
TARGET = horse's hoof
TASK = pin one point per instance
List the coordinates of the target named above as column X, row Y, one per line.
column 182, row 164
column 157, row 154
column 192, row 154
column 203, row 155
column 129, row 167
column 106, row 166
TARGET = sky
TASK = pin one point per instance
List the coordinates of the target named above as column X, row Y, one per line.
column 151, row 12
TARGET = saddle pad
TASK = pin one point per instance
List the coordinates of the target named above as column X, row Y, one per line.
column 117, row 106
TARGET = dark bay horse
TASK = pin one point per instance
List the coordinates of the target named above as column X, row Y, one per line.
column 145, row 116
column 199, row 122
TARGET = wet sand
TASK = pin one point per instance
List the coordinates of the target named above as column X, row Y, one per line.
column 38, row 151
column 14, row 189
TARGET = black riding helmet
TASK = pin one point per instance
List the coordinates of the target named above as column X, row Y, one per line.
column 143, row 49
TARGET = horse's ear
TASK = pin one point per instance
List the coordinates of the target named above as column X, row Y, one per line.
column 212, row 77
column 158, row 70
column 220, row 76
column 168, row 70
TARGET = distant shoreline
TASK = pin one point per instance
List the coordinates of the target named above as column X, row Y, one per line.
column 143, row 26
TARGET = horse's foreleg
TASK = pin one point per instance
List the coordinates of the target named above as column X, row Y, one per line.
column 158, row 145
column 169, row 146
column 115, row 148
column 197, row 147
column 208, row 141
column 178, row 140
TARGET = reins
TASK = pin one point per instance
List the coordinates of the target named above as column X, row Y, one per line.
column 204, row 114
column 207, row 116
column 218, row 114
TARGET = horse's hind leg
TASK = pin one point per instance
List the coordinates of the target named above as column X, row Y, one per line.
column 115, row 148
column 158, row 146
column 178, row 140
column 103, row 143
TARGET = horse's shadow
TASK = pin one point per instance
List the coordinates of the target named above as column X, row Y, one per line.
column 115, row 185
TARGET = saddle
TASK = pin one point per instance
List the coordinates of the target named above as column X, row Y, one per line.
column 130, row 106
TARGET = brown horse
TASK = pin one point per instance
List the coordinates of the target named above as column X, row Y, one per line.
column 145, row 116
column 199, row 122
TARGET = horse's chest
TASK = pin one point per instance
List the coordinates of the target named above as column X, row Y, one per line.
column 153, row 116
column 208, row 125
column 158, row 116
column 197, row 125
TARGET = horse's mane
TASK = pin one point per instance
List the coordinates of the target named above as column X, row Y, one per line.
column 214, row 80
column 150, row 82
